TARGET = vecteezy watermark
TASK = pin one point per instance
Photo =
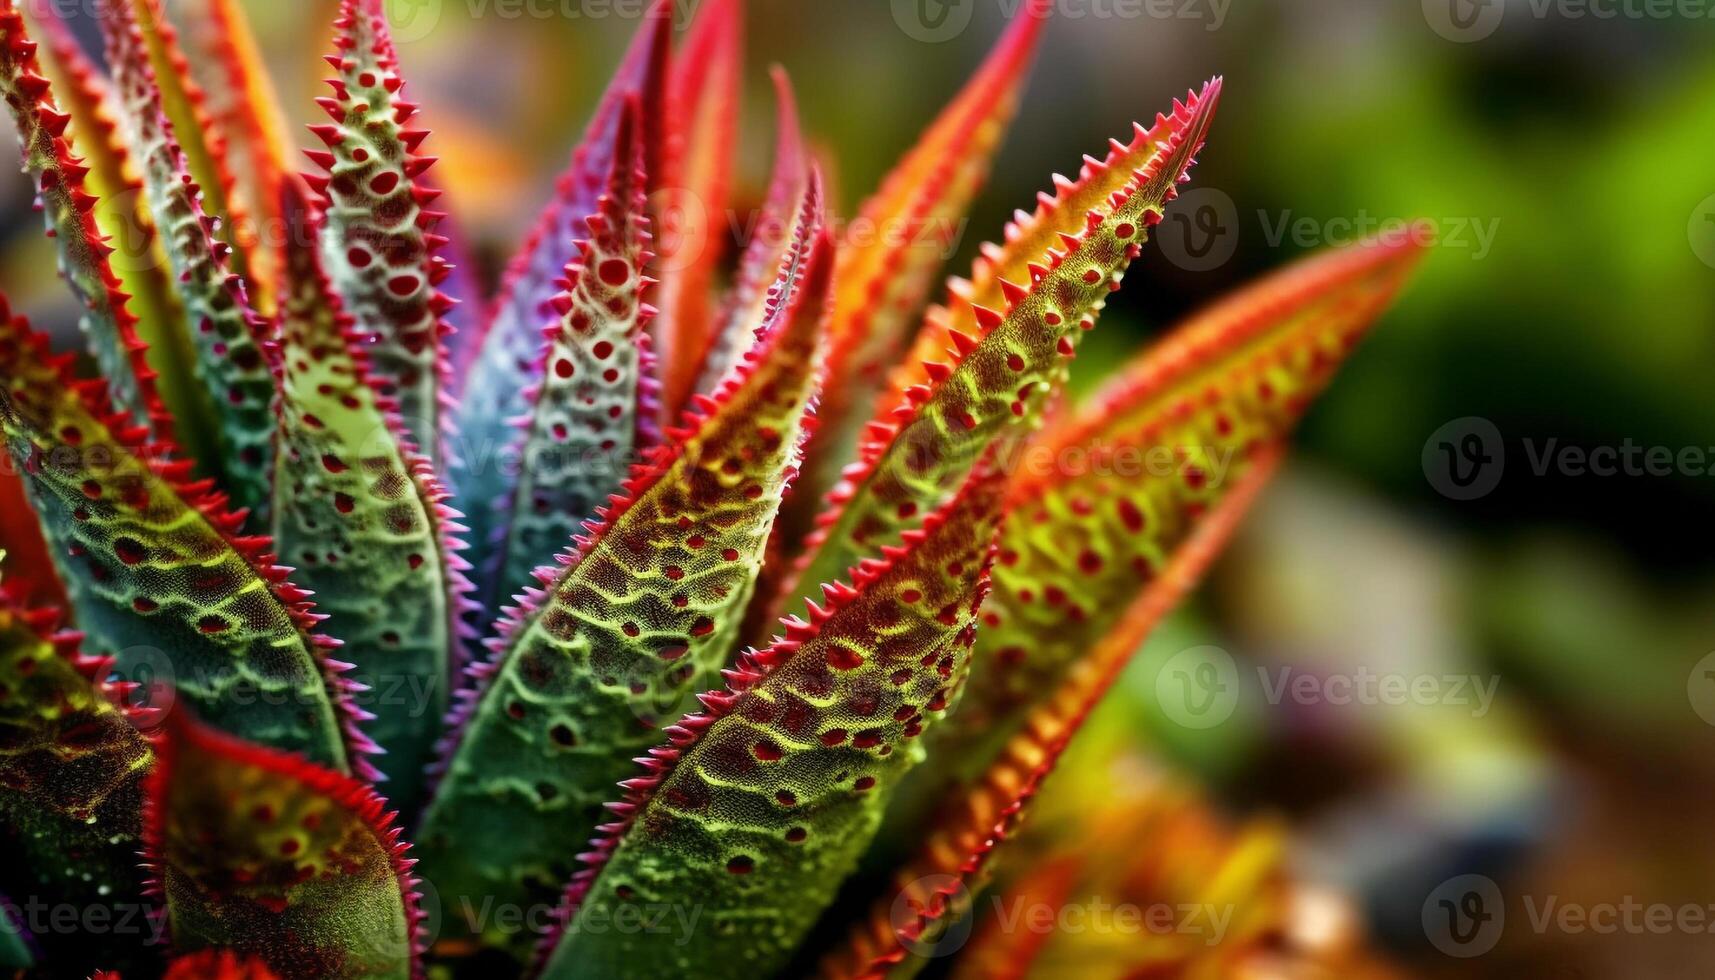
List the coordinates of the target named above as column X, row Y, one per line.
column 943, row 904
column 1465, row 21
column 1700, row 231
column 1700, row 688
column 1465, row 458
column 1203, row 227
column 1466, row 916
column 669, row 921
column 935, row 21
column 1202, row 687
column 38, row 917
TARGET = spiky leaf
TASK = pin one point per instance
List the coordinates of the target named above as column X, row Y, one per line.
column 1104, row 500
column 71, row 767
column 108, row 325
column 505, row 362
column 775, row 230
column 702, row 131
column 262, row 853
column 122, row 215
column 756, row 809
column 381, row 243
column 992, row 382
column 360, row 515
column 641, row 615
column 156, row 567
column 593, row 405
column 959, row 846
column 902, row 234
column 228, row 335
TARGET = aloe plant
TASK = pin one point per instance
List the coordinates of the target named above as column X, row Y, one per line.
column 265, row 505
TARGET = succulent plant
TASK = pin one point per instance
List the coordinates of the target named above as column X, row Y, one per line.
column 634, row 596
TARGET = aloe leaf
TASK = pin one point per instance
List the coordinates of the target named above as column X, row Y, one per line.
column 361, row 517
column 185, row 107
column 247, row 124
column 959, row 847
column 593, row 406
column 228, row 334
column 71, row 768
column 901, row 236
column 381, row 241
column 775, row 230
column 505, row 361
column 756, row 809
column 122, row 215
column 68, row 208
column 993, row 381
column 1104, row 500
column 638, row 616
column 157, row 567
column 702, row 133
column 262, row 853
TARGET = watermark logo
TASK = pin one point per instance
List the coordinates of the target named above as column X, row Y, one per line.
column 1464, row 916
column 1199, row 687
column 1201, row 230
column 413, row 20
column 1700, row 689
column 1701, row 231
column 950, row 929
column 933, row 21
column 1464, row 459
column 1464, row 21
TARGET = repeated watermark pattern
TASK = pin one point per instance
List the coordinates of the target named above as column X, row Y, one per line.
column 1203, row 228
column 1201, row 687
column 1465, row 458
column 937, row 21
column 1467, row 21
column 1466, row 916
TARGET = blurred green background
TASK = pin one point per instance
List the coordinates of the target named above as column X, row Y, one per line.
column 1566, row 162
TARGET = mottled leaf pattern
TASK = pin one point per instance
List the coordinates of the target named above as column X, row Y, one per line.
column 1102, row 502
column 158, row 570
column 381, row 242
column 68, row 208
column 641, row 615
column 359, row 515
column 593, row 407
column 979, row 817
column 267, row 855
column 228, row 335
column 756, row 809
column 992, row 382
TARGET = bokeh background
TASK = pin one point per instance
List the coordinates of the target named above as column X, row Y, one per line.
column 1435, row 525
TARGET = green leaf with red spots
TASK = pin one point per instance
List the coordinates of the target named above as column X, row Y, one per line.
column 122, row 215
column 902, row 236
column 959, row 845
column 71, row 769
column 637, row 617
column 360, row 515
column 272, row 857
column 157, row 567
column 68, row 208
column 948, row 406
column 592, row 408
column 228, row 335
column 755, row 810
column 381, row 240
column 1102, row 502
